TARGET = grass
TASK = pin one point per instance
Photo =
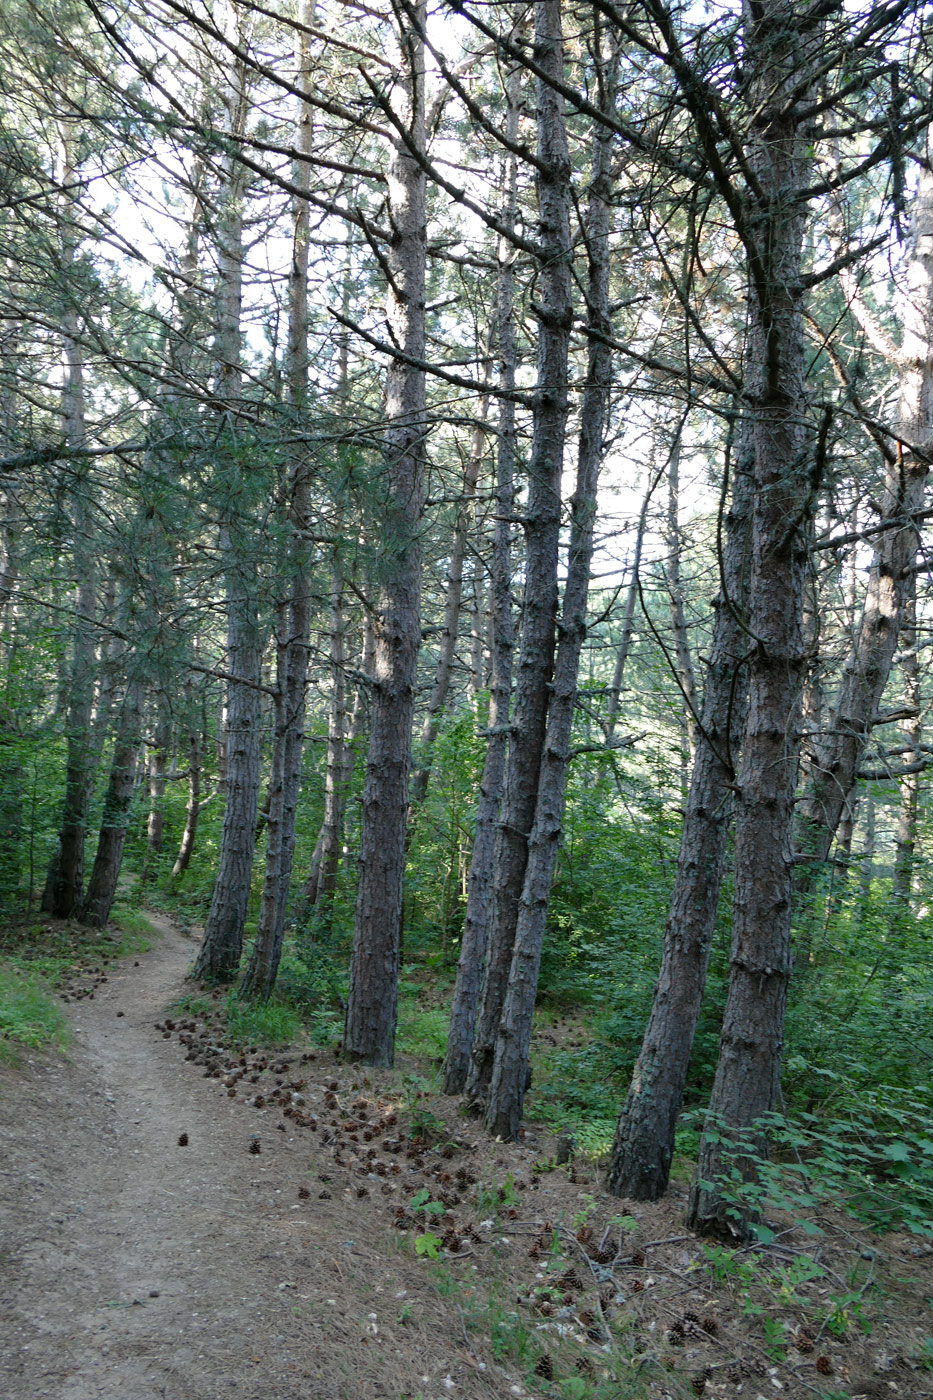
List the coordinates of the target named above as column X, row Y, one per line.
column 38, row 954
column 262, row 1023
column 29, row 1016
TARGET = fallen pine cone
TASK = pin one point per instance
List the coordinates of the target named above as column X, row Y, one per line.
column 824, row 1365
column 182, row 1139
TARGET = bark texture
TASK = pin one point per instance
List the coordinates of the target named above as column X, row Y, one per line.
column 222, row 946
column 542, row 536
column 868, row 665
column 102, row 886
column 293, row 648
column 511, row 1062
column 747, row 1082
column 480, row 876
column 639, row 1165
column 373, row 996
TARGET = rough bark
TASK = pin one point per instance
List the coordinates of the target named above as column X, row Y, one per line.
column 65, row 882
column 448, row 646
column 193, row 808
column 868, row 665
column 102, row 886
column 542, row 536
column 157, row 765
column 294, row 640
column 511, row 1062
column 372, row 1001
column 686, row 677
column 479, row 880
column 219, row 956
column 911, row 741
column 747, row 1082
column 639, row 1165
column 628, row 619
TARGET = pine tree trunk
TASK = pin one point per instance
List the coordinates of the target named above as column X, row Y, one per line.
column 372, row 1002
column 479, row 880
column 639, row 1165
column 448, row 647
column 685, row 673
column 912, row 738
column 219, row 956
column 158, row 762
column 542, row 536
column 102, row 886
column 868, row 665
column 747, row 1082
column 294, row 646
column 628, row 618
column 65, row 882
column 193, row 809
column 511, row 1062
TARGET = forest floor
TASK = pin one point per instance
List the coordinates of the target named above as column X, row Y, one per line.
column 191, row 1221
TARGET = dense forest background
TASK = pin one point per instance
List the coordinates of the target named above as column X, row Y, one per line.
column 452, row 464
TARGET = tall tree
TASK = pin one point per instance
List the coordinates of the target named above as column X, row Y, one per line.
column 509, row 1076
column 542, row 521
column 372, row 1002
column 781, row 42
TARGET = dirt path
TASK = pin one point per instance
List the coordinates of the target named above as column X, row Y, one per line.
column 135, row 1267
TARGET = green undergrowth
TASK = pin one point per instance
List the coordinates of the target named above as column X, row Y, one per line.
column 30, row 1017
column 270, row 1023
column 38, row 955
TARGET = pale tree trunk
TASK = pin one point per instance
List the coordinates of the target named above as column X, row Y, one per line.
column 372, row 1001
column 868, row 665
column 294, row 647
column 193, row 809
column 219, row 956
column 747, row 1082
column 479, row 880
column 321, row 883
column 65, row 882
column 911, row 759
column 686, row 678
column 11, row 518
column 102, row 886
column 628, row 618
column 640, row 1162
column 157, row 765
column 448, row 647
column 509, row 1078
column 477, row 640
column 542, row 536
column 325, row 863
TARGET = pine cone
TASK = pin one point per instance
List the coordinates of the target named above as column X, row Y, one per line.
column 545, row 1368
column 824, row 1365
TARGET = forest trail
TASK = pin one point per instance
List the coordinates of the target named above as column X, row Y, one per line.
column 132, row 1266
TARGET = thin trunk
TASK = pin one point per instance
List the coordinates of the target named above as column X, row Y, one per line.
column 509, row 1077
column 628, row 618
column 158, row 762
column 912, row 738
column 868, row 665
column 294, row 646
column 102, row 886
column 479, row 880
column 372, row 1002
column 448, row 647
column 65, row 882
column 219, row 956
column 193, row 808
column 542, row 535
column 686, row 678
column 747, row 1083
column 639, row 1165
